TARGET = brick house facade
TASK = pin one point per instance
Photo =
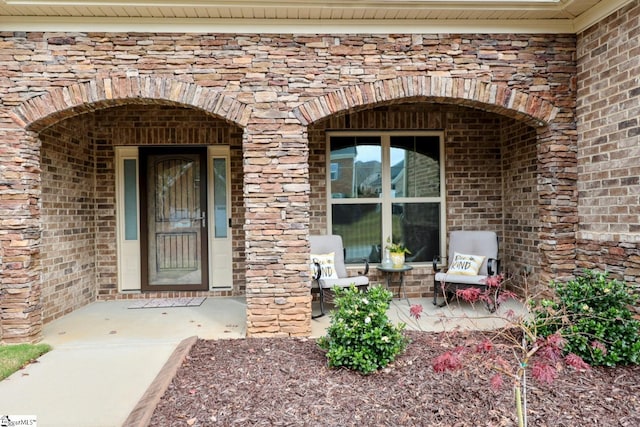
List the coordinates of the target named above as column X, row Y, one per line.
column 540, row 134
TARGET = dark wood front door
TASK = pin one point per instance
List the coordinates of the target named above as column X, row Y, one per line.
column 173, row 211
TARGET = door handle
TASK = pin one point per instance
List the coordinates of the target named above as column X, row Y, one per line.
column 202, row 219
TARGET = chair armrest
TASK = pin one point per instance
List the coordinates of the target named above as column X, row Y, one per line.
column 366, row 267
column 317, row 271
column 493, row 266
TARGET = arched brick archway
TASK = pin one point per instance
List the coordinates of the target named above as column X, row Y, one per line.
column 41, row 111
column 556, row 152
column 470, row 92
column 20, row 241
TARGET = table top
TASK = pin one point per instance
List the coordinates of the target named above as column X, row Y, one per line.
column 390, row 269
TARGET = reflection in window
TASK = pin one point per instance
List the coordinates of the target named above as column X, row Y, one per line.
column 335, row 168
column 418, row 226
column 360, row 227
column 415, row 166
column 359, row 160
column 397, row 182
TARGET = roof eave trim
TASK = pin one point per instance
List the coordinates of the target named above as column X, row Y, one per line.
column 597, row 13
column 280, row 26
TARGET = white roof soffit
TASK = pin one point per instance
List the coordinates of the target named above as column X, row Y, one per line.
column 306, row 17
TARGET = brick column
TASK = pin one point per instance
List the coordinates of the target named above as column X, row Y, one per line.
column 276, row 192
column 21, row 311
column 558, row 200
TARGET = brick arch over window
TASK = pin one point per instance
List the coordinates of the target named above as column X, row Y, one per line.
column 530, row 109
column 556, row 147
column 41, row 111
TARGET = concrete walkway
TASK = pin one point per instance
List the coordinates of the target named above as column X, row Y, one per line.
column 106, row 355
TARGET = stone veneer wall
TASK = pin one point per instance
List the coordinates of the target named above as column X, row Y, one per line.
column 608, row 115
column 273, row 86
column 68, row 252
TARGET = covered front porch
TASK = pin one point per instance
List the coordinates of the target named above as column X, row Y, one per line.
column 451, row 167
column 495, row 169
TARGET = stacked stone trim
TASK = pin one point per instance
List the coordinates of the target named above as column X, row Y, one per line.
column 461, row 91
column 20, row 294
column 112, row 91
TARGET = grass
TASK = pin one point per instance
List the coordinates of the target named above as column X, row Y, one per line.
column 14, row 357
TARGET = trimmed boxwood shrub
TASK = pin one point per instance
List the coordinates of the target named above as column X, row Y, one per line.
column 360, row 336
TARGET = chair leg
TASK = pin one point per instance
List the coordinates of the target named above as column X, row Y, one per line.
column 444, row 289
column 322, row 313
column 435, row 292
column 439, row 287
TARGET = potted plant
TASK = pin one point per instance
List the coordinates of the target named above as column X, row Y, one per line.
column 397, row 252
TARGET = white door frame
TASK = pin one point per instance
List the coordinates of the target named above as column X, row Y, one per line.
column 128, row 221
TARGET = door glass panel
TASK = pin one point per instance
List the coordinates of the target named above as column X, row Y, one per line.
column 175, row 219
column 220, row 197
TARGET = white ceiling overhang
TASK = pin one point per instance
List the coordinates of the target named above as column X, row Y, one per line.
column 299, row 16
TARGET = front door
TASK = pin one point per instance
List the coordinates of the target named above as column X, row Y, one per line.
column 173, row 219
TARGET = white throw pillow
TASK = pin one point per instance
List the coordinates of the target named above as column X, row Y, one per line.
column 327, row 265
column 466, row 265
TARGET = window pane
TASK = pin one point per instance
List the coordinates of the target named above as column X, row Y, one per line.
column 360, row 226
column 417, row 225
column 415, row 166
column 130, row 199
column 356, row 161
column 220, row 196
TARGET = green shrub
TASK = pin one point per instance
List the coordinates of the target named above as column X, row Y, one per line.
column 360, row 336
column 594, row 317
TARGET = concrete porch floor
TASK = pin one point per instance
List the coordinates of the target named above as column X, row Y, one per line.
column 106, row 355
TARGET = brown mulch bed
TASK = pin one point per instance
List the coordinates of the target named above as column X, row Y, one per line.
column 285, row 382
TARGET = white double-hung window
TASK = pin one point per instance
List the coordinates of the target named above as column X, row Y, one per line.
column 386, row 185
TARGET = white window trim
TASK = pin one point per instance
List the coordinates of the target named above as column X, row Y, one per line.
column 220, row 248
column 386, row 199
column 128, row 251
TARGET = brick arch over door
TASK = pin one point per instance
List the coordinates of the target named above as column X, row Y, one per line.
column 39, row 112
column 531, row 109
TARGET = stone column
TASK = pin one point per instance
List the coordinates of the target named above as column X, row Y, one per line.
column 558, row 200
column 276, row 196
column 20, row 229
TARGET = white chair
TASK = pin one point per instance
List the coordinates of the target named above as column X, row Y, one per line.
column 474, row 243
column 333, row 273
